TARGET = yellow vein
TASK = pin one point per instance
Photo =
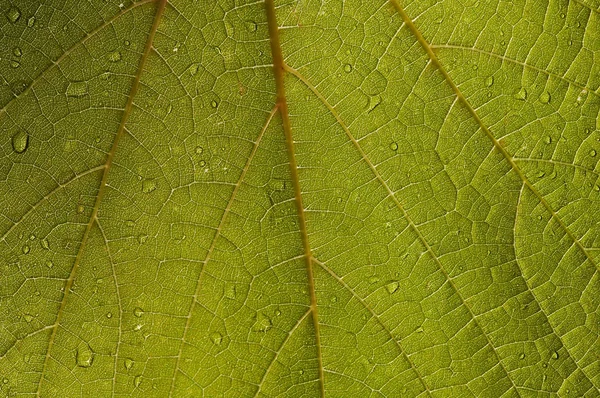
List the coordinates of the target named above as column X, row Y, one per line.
column 114, row 273
column 120, row 132
column 366, row 306
column 48, row 195
column 287, row 338
column 214, row 243
column 72, row 48
column 425, row 45
column 514, row 61
column 391, row 194
column 279, row 68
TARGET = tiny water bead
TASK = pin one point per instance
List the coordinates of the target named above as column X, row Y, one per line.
column 138, row 312
column 109, row 315
column 114, row 56
column 593, row 153
column 522, row 356
column 251, row 26
column 128, row 363
column 13, row 14
column 26, row 249
column 394, row 146
column 20, row 141
column 199, row 150
column 214, row 104
column 49, row 264
column 489, row 81
column 545, row 97
column 77, row 89
column 148, row 186
column 392, row 287
column 31, row 22
column 28, row 318
column 521, row 95
column 137, row 380
column 347, row 68
column 17, row 52
column 84, row 356
column 216, row 338
column 555, row 355
column 548, row 140
column 45, row 244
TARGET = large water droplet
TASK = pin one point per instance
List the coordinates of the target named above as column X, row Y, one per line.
column 77, row 89
column 555, row 355
column 45, row 244
column 393, row 146
column 521, row 95
column 26, row 249
column 128, row 363
column 138, row 312
column 148, row 185
column 20, row 141
column 216, row 338
column 263, row 323
column 347, row 68
column 392, row 287
column 593, row 153
column 17, row 52
column 522, row 356
column 28, row 318
column 489, row 82
column 84, row 356
column 548, row 140
column 13, row 14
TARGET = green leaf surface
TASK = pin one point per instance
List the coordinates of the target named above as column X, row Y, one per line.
column 343, row 198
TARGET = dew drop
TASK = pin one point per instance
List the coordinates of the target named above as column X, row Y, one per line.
column 193, row 69
column 230, row 291
column 202, row 163
column 214, row 104
column 541, row 173
column 5, row 381
column 20, row 141
column 562, row 15
column 77, row 89
column 128, row 363
column 199, row 150
column 114, row 56
column 374, row 102
column 130, row 223
column 489, row 82
column 169, row 109
column 148, row 186
column 84, row 356
column 80, row 209
column 49, row 264
column 31, row 22
column 26, row 249
column 522, row 356
column 138, row 312
column 545, row 97
column 392, row 287
column 581, row 98
column 251, row 26
column 109, row 315
column 596, row 187
column 142, row 238
column 17, row 52
column 548, row 140
column 521, row 95
column 13, row 14
column 15, row 64
column 45, row 244
column 216, row 338
column 593, row 153
column 263, row 323
column 137, row 380
column 394, row 146
column 28, row 318
column 334, row 299
column 127, row 43
column 545, row 377
column 555, row 355
column 347, row 68
column 373, row 279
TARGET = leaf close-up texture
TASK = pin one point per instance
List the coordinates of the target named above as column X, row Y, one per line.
column 299, row 198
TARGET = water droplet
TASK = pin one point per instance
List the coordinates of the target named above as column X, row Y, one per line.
column 20, row 141
column 545, row 97
column 148, row 186
column 114, row 56
column 138, row 312
column 251, row 26
column 347, row 68
column 216, row 338
column 393, row 146
column 45, row 244
column 596, row 187
column 581, row 97
column 392, row 287
column 541, row 173
column 521, row 95
column 26, row 249
column 84, row 356
column 263, row 323
column 15, row 64
column 522, row 356
column 214, row 104
column 545, row 377
column 128, row 363
column 13, row 14
column 28, row 318
column 193, row 69
column 109, row 315
column 489, row 82
column 593, row 153
column 374, row 102
column 199, row 150
column 49, row 264
column 562, row 15
column 127, row 43
column 5, row 381
column 32, row 237
column 17, row 52
column 202, row 163
column 334, row 299
column 548, row 140
column 373, row 279
column 26, row 358
column 142, row 238
column 130, row 223
column 77, row 89
column 555, row 355
column 137, row 380
column 31, row 22
column 169, row 109
column 420, row 329
column 80, row 209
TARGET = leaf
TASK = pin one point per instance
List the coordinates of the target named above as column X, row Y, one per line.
column 300, row 198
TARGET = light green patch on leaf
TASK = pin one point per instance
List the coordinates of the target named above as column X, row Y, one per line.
column 300, row 198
